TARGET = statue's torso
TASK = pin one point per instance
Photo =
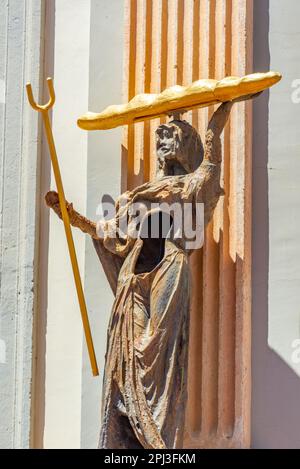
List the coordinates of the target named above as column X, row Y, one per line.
column 147, row 347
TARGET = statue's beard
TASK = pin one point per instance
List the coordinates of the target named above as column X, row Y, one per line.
column 170, row 166
column 166, row 153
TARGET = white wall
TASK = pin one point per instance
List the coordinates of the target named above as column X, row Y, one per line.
column 276, row 231
column 284, row 177
column 87, row 58
column 103, row 177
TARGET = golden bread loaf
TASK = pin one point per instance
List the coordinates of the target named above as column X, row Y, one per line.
column 200, row 93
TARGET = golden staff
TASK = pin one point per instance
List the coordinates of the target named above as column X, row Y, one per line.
column 43, row 109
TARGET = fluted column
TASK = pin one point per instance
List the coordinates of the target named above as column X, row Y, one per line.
column 176, row 42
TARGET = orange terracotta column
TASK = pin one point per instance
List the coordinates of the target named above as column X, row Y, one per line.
column 171, row 42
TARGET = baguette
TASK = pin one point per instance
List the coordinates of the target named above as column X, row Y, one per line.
column 200, row 93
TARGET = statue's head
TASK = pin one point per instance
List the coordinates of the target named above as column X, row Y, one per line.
column 179, row 148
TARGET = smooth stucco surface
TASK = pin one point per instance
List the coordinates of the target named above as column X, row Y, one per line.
column 21, row 58
column 103, row 177
column 64, row 338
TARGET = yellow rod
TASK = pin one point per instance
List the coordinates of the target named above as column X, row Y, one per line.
column 65, row 216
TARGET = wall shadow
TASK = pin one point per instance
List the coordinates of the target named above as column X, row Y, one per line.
column 40, row 320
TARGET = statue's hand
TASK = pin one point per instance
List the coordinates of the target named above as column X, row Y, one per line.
column 246, row 97
column 77, row 220
column 52, row 201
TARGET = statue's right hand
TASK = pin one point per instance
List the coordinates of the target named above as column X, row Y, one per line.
column 52, row 201
column 77, row 220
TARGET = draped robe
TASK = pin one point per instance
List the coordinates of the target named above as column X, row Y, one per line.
column 145, row 378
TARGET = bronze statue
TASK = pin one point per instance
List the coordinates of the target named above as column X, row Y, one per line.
column 145, row 380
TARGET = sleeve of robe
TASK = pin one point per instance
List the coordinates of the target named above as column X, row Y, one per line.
column 111, row 248
column 111, row 263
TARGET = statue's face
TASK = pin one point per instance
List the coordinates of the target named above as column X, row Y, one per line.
column 167, row 142
column 178, row 147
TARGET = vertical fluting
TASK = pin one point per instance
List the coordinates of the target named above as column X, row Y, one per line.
column 171, row 42
column 210, row 284
column 130, row 39
column 227, row 267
